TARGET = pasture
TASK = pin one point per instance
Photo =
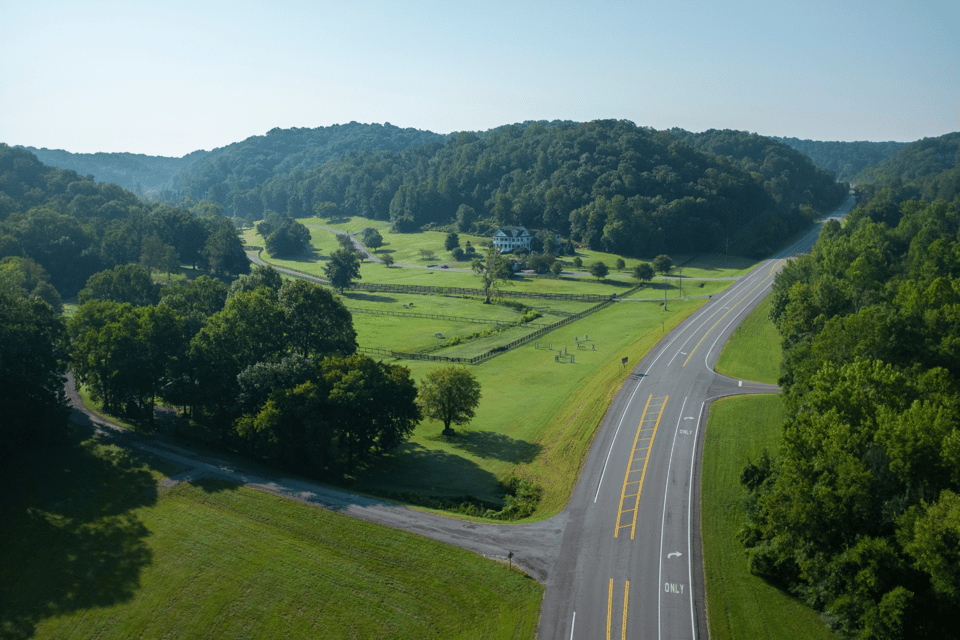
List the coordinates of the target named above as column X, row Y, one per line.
column 542, row 401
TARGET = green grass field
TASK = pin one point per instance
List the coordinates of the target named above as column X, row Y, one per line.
column 93, row 549
column 739, row 604
column 537, row 417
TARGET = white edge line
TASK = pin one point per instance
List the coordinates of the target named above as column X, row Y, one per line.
column 729, row 292
column 573, row 624
column 693, row 461
column 663, row 516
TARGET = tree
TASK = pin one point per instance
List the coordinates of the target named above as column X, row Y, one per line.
column 349, row 410
column 643, row 272
column 493, row 272
column 290, row 237
column 223, row 250
column 556, row 268
column 32, row 340
column 578, row 262
column 260, row 276
column 450, row 395
column 387, row 260
column 599, row 270
column 317, row 322
column 457, row 254
column 452, row 241
column 342, row 268
column 124, row 283
column 154, row 254
column 662, row 264
column 346, row 241
column 372, row 238
column 22, row 277
column 621, row 265
column 250, row 329
column 427, row 254
column 466, row 216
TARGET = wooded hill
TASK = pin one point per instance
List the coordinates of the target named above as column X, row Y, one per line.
column 929, row 168
column 74, row 227
column 607, row 184
column 845, row 159
column 142, row 174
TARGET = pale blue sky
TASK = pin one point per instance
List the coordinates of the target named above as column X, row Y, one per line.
column 167, row 78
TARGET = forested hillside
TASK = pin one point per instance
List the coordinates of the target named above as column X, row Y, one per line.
column 142, row 174
column 858, row 512
column 236, row 168
column 845, row 159
column 74, row 227
column 608, row 184
column 929, row 168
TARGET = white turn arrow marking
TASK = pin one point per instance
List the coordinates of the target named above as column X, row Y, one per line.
column 675, row 553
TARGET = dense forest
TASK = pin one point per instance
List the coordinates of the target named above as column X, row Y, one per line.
column 608, row 184
column 858, row 512
column 844, row 159
column 74, row 227
column 928, row 169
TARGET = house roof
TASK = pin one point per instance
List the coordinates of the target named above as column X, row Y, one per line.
column 512, row 232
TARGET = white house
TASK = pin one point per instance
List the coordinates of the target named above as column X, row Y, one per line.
column 508, row 239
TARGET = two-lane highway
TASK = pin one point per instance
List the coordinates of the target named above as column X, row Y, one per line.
column 629, row 565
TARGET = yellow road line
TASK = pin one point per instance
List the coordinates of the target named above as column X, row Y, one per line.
column 643, row 474
column 626, row 601
column 643, row 469
column 728, row 313
column 609, row 607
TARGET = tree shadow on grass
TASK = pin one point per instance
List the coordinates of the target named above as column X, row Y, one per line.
column 490, row 444
column 310, row 254
column 434, row 472
column 369, row 297
column 71, row 536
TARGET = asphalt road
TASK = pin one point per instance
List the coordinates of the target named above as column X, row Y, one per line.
column 630, row 564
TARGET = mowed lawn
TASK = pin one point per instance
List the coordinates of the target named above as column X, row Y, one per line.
column 740, row 604
column 93, row 549
column 753, row 352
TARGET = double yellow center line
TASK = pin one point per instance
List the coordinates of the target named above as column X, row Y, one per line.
column 637, row 467
column 626, row 601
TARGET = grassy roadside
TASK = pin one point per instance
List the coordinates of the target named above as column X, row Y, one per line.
column 739, row 604
column 753, row 352
column 93, row 547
